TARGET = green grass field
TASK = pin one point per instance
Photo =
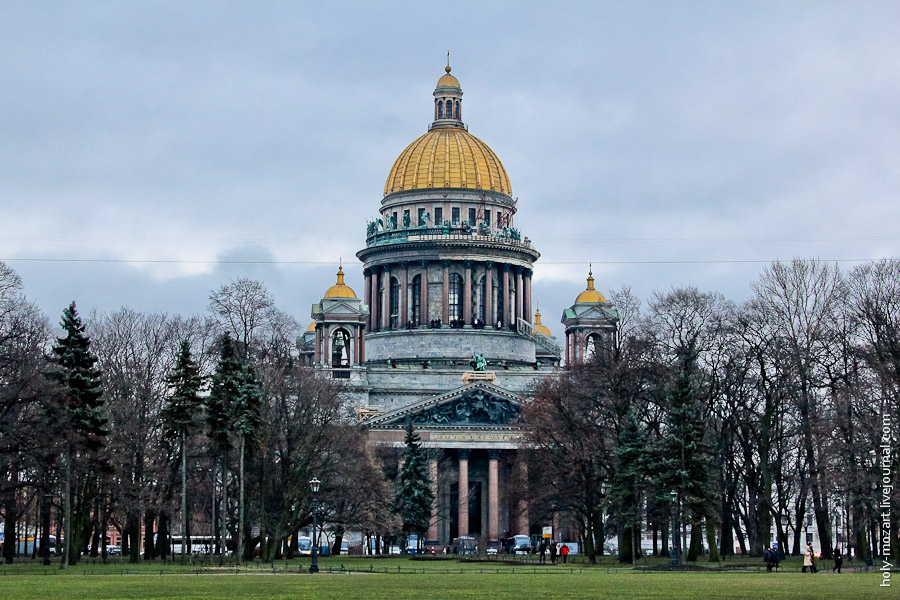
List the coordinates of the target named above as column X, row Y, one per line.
column 435, row 579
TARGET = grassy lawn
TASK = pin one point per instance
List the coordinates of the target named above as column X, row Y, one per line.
column 441, row 579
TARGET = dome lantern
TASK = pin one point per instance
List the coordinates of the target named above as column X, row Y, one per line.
column 447, row 102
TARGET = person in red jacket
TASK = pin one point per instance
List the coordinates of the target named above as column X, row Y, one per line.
column 564, row 551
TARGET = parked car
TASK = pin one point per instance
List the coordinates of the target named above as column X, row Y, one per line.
column 114, row 550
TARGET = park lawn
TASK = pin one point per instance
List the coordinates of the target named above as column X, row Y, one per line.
column 562, row 584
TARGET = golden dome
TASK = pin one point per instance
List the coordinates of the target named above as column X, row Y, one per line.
column 590, row 294
column 340, row 289
column 312, row 326
column 448, row 80
column 448, row 158
column 540, row 326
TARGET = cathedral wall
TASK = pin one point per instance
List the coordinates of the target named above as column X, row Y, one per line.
column 449, row 343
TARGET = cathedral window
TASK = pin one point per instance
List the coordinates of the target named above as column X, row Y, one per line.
column 455, row 296
column 457, row 110
column 440, row 109
column 455, row 215
column 438, row 215
column 421, row 217
column 487, row 217
column 417, row 300
column 472, row 214
column 395, row 303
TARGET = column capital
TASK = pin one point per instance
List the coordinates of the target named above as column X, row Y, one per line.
column 445, row 263
column 467, row 264
column 423, row 262
column 505, row 267
column 518, row 269
column 488, row 264
column 463, row 453
column 494, row 454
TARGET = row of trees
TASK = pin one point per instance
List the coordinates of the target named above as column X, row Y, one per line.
column 159, row 424
column 762, row 417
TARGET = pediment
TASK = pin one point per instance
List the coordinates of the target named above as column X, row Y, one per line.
column 476, row 404
column 340, row 308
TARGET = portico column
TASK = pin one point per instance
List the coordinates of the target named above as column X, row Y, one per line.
column 362, row 345
column 488, row 315
column 462, row 517
column 520, row 296
column 568, row 351
column 467, row 294
column 505, row 317
column 433, row 478
column 326, row 355
column 445, row 295
column 423, row 299
column 493, row 495
column 404, row 293
column 386, row 298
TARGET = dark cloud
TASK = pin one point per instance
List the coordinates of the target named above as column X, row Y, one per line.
column 633, row 133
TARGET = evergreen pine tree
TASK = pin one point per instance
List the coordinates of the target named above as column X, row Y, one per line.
column 414, row 497
column 79, row 417
column 629, row 483
column 223, row 395
column 684, row 458
column 178, row 415
column 246, row 422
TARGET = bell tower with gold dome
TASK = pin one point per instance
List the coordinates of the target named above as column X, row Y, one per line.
column 591, row 324
column 449, row 341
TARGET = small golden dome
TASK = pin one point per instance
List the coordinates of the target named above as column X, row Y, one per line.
column 312, row 326
column 447, row 158
column 540, row 326
column 590, row 294
column 340, row 289
column 448, row 80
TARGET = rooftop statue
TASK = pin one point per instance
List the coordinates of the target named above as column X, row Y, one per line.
column 478, row 362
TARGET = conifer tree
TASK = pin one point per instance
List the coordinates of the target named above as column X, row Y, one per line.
column 179, row 415
column 684, row 457
column 223, row 395
column 414, row 497
column 246, row 423
column 79, row 417
column 629, row 483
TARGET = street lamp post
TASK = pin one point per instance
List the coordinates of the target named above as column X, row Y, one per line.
column 675, row 533
column 314, row 488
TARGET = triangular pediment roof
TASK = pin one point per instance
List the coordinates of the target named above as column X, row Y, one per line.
column 490, row 406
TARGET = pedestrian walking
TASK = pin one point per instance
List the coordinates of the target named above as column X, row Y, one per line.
column 808, row 562
column 838, row 560
column 553, row 547
column 543, row 551
column 564, row 551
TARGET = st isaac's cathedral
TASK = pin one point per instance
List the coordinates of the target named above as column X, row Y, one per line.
column 443, row 335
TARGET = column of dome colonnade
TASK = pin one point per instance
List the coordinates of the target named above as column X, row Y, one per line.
column 482, row 301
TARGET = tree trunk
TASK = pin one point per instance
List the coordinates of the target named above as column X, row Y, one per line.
column 67, row 510
column 149, row 545
column 696, row 545
column 185, row 540
column 10, row 545
column 239, row 551
column 223, row 510
column 711, row 542
column 45, row 528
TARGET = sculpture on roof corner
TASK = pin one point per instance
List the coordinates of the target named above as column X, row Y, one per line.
column 478, row 362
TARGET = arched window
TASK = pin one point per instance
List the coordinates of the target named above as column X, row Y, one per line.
column 395, row 303
column 455, row 298
column 440, row 109
column 417, row 300
column 340, row 349
column 457, row 110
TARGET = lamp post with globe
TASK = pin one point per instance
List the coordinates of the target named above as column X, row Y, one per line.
column 675, row 534
column 314, row 484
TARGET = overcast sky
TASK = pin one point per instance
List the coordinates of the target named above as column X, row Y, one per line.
column 166, row 144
